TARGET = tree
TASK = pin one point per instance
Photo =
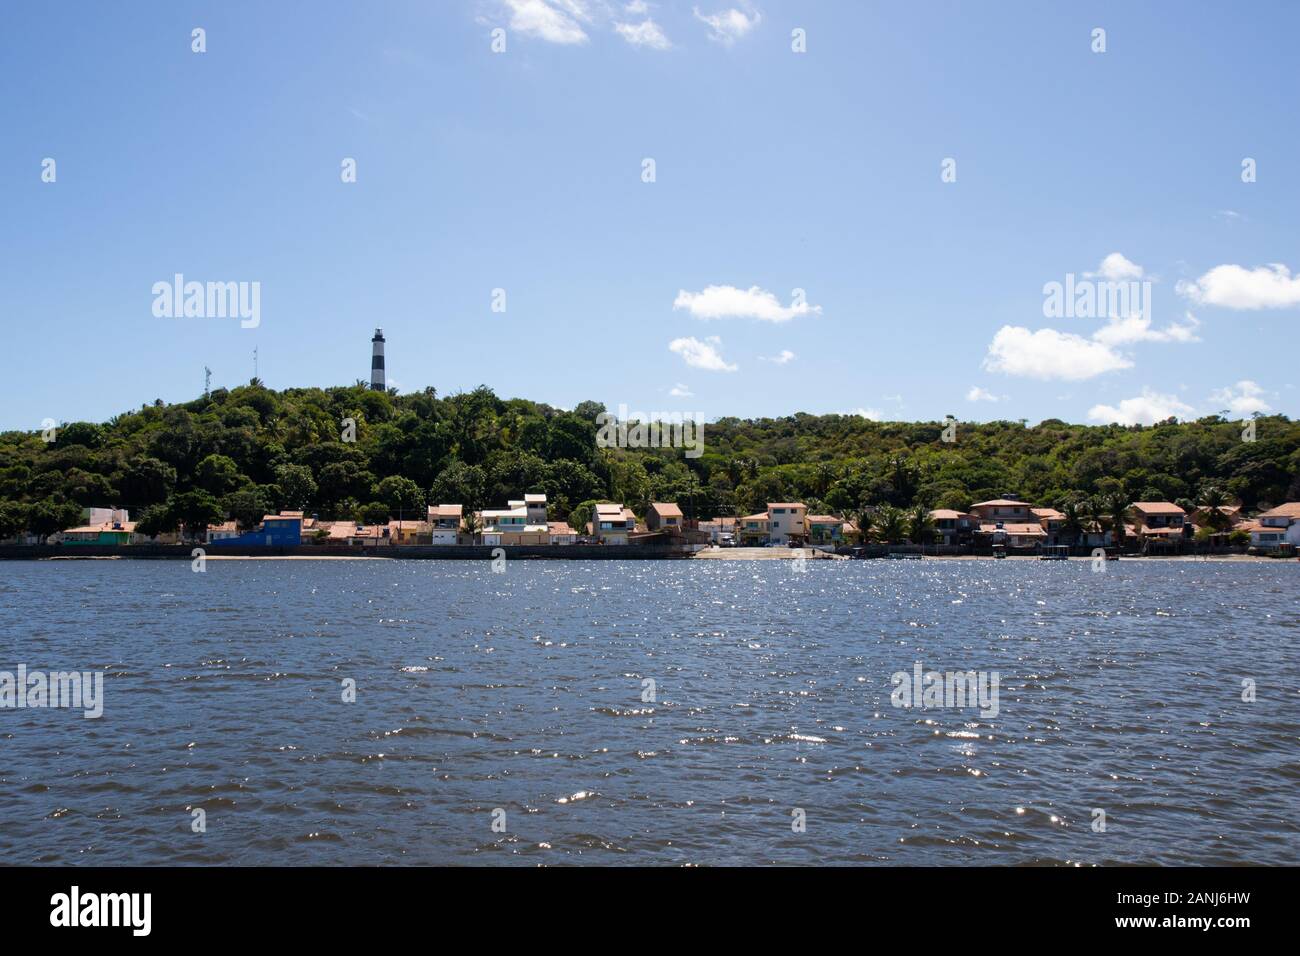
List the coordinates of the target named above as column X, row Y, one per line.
column 864, row 518
column 1072, row 521
column 1213, row 501
column 470, row 526
column 247, row 506
column 218, row 475
column 580, row 515
column 13, row 518
column 145, row 480
column 920, row 527
column 891, row 524
column 297, row 486
column 374, row 513
column 194, row 511
column 51, row 516
column 155, row 520
column 402, row 496
column 1117, row 510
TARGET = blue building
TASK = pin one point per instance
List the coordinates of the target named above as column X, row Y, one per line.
column 278, row 531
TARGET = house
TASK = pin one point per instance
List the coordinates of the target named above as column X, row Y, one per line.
column 1028, row 534
column 784, row 522
column 110, row 526
column 561, row 533
column 951, row 526
column 612, row 523
column 1003, row 510
column 826, row 530
column 220, row 532
column 1053, row 523
column 521, row 522
column 281, row 530
column 1277, row 526
column 409, row 532
column 754, row 529
column 1159, row 523
column 787, row 523
column 664, row 517
column 369, row 536
column 445, row 523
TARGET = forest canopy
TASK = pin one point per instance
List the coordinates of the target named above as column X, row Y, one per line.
column 248, row 451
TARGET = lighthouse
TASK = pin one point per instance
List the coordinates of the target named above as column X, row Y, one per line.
column 377, row 361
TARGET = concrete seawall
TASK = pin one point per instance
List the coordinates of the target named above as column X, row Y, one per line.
column 395, row 552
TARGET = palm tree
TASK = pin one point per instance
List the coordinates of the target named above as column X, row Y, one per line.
column 891, row 524
column 1117, row 510
column 1072, row 521
column 471, row 526
column 864, row 518
column 1213, row 501
column 920, row 526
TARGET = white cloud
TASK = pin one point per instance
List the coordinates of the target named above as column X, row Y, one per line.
column 555, row 21
column 728, row 26
column 1146, row 409
column 785, row 357
column 729, row 302
column 1049, row 354
column 1116, row 268
column 681, row 391
column 1137, row 328
column 871, row 414
column 647, row 33
column 636, row 7
column 977, row 394
column 703, row 354
column 1242, row 399
column 1235, row 287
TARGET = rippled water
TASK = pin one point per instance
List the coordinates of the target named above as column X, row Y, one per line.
column 523, row 691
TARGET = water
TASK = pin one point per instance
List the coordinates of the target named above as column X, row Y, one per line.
column 522, row 692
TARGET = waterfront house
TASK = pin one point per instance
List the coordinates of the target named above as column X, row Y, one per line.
column 1158, row 524
column 561, row 533
column 1003, row 510
column 952, row 527
column 1277, row 526
column 409, row 532
column 103, row 526
column 280, row 530
column 826, row 530
column 1053, row 523
column 220, row 532
column 368, row 536
column 665, row 517
column 753, row 529
column 521, row 522
column 445, row 523
column 787, row 522
column 612, row 523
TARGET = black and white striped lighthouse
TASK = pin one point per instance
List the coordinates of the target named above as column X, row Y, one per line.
column 377, row 361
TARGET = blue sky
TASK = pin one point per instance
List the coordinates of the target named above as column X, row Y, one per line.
column 774, row 171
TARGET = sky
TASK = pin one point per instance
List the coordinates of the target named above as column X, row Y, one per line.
column 727, row 207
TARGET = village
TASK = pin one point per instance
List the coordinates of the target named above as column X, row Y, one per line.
column 999, row 526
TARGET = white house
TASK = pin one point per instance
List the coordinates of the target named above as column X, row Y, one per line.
column 1280, row 525
column 445, row 523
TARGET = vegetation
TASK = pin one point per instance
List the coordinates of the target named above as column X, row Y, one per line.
column 250, row 450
